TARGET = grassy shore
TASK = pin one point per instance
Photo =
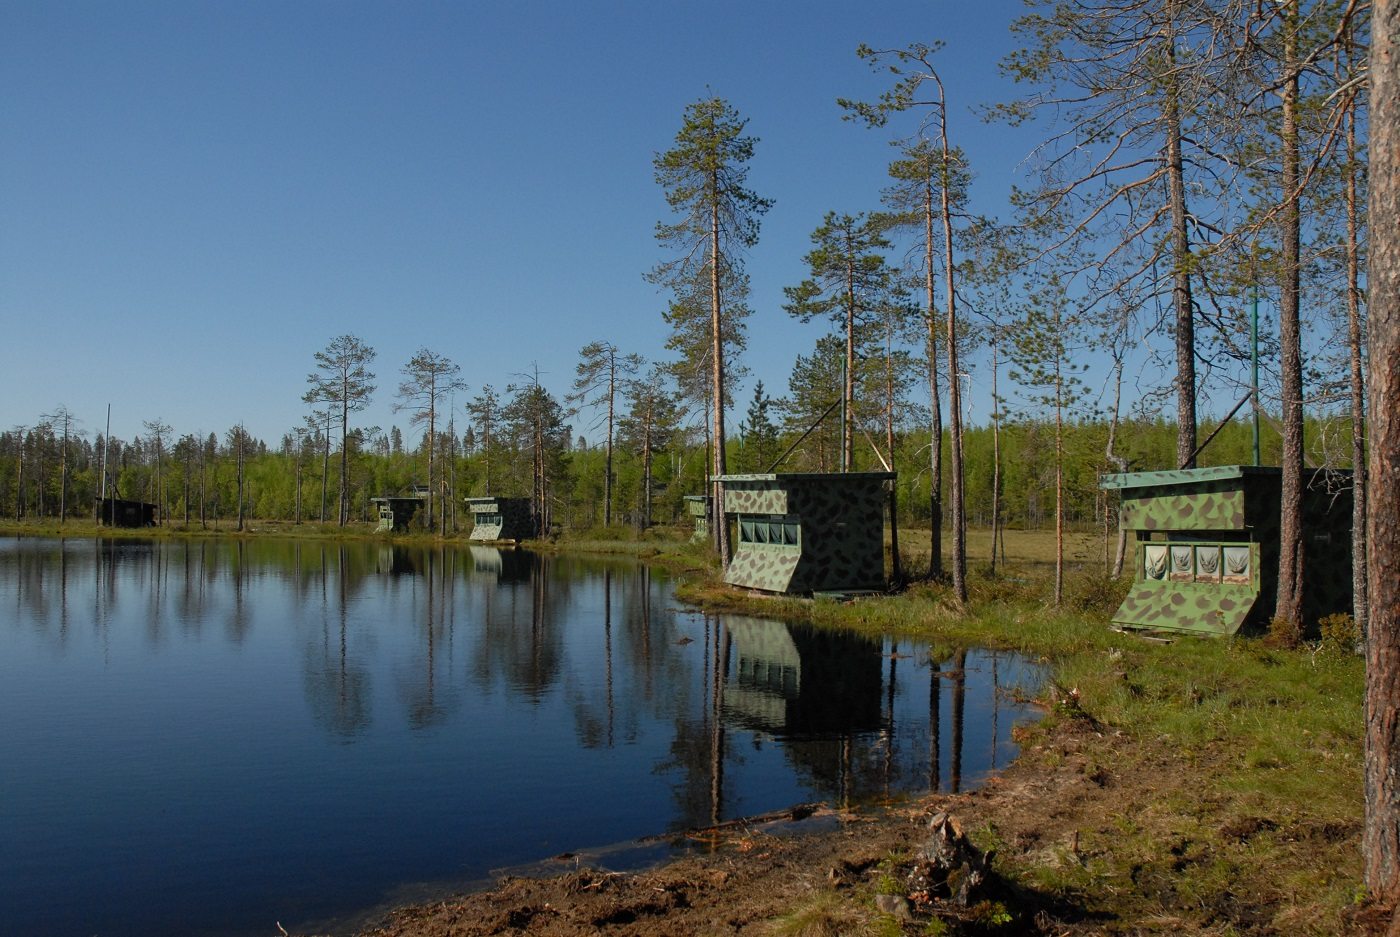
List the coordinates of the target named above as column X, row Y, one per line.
column 1221, row 778
column 1224, row 776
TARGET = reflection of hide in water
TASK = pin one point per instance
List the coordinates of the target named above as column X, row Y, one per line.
column 485, row 560
column 503, row 565
column 801, row 682
column 400, row 561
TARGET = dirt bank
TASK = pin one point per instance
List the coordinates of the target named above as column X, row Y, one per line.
column 1081, row 848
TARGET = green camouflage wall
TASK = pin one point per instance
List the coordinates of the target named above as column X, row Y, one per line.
column 396, row 513
column 517, row 520
column 699, row 508
column 1194, row 525
column 836, row 521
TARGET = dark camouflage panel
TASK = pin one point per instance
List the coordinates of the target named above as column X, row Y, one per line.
column 698, row 507
column 807, row 532
column 1208, row 546
column 395, row 514
column 501, row 519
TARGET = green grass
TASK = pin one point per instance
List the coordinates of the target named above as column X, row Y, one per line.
column 1263, row 745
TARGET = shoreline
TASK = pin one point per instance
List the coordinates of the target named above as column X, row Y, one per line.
column 1198, row 786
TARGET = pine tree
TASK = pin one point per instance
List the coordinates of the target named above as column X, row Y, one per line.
column 345, row 384
column 703, row 177
column 648, row 426
column 600, row 369
column 431, row 376
column 1043, row 354
column 534, row 421
column 1381, row 840
column 758, row 432
column 930, row 172
column 849, row 282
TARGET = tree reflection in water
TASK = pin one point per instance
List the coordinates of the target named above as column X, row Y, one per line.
column 501, row 704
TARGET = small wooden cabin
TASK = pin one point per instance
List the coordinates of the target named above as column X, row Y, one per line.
column 805, row 532
column 395, row 514
column 698, row 507
column 501, row 519
column 117, row 512
column 1207, row 546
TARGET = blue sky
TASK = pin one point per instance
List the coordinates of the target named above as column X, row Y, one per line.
column 195, row 197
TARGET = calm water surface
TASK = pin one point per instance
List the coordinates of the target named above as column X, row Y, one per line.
column 212, row 737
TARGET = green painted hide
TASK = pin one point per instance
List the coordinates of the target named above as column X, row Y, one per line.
column 807, row 532
column 698, row 506
column 395, row 514
column 501, row 518
column 1207, row 546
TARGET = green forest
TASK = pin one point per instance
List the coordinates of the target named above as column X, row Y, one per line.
column 195, row 479
column 1191, row 232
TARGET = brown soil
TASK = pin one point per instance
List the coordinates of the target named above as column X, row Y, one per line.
column 1080, row 849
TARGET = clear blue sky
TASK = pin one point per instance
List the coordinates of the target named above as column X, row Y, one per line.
column 195, row 197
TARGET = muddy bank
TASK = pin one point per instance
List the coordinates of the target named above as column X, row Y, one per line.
column 1093, row 832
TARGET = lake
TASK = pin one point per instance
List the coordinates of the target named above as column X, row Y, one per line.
column 210, row 737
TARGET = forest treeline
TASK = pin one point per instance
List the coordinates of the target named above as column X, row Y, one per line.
column 1194, row 194
column 195, row 478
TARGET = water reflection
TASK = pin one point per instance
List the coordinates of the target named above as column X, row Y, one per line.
column 360, row 716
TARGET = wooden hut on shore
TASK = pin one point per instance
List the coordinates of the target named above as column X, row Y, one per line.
column 1206, row 548
column 396, row 513
column 698, row 507
column 501, row 519
column 118, row 512
column 808, row 532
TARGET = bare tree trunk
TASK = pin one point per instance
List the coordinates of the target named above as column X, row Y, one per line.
column 1184, row 327
column 1059, row 492
column 1381, row 841
column 63, row 478
column 848, row 415
column 608, row 452
column 1118, row 462
column 326, row 465
column 19, row 480
column 239, row 457
column 646, row 467
column 996, row 457
column 1358, row 398
column 1291, row 560
column 935, row 461
column 955, row 443
column 721, row 528
column 432, row 444
column 344, row 513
